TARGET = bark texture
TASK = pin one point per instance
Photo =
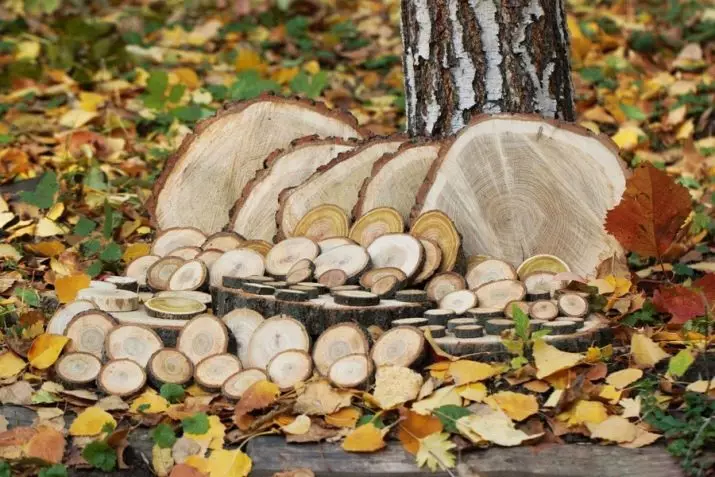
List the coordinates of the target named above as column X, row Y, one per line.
column 465, row 57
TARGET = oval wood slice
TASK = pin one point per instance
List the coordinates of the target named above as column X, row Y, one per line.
column 431, row 262
column 192, row 275
column 351, row 371
column 439, row 316
column 201, row 297
column 133, row 342
column 274, row 335
column 110, row 300
column 77, row 369
column 455, row 322
column 237, row 384
column 399, row 346
column 186, row 253
column 459, row 301
column 58, row 323
column 416, row 322
column 241, row 263
column 310, row 292
column 333, row 242
column 289, row 368
column 437, row 226
column 88, row 331
column 356, row 298
column 168, row 330
column 169, row 365
column 572, row 304
column 159, row 274
column 288, row 252
column 203, row 336
column 209, row 257
column 242, row 323
column 174, row 308
column 351, row 259
column 497, row 326
column 489, row 270
column 138, row 268
column 170, row 239
column 336, row 342
column 323, row 221
column 543, row 310
column 302, row 271
column 211, row 372
column 333, row 278
column 397, row 250
column 437, row 331
column 469, row 331
column 376, row 223
column 368, row 279
column 121, row 377
column 542, row 263
column 518, row 304
column 223, row 241
column 483, row 313
column 444, row 283
column 385, row 287
column 499, row 293
column 561, row 327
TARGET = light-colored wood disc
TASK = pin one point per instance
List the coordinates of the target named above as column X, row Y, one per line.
column 211, row 372
column 376, row 223
column 290, row 367
column 58, row 322
column 539, row 283
column 352, row 259
column 401, row 251
column 350, row 371
column 186, row 253
column 437, row 226
column 369, row 278
column 274, row 335
column 138, row 268
column 399, row 346
column 431, row 262
column 242, row 323
column 174, row 307
column 176, row 237
column 242, row 262
column 322, row 222
column 336, row 342
column 237, row 384
column 499, row 293
column 260, row 246
column 459, row 301
column 159, row 274
column 110, row 300
column 288, row 252
column 223, row 241
column 133, row 342
column 333, row 278
column 169, row 365
column 542, row 263
column 443, row 284
column 201, row 297
column 190, row 276
column 78, row 368
column 203, row 336
column 489, row 270
column 543, row 310
column 121, row 377
column 572, row 304
column 330, row 243
column 209, row 257
column 88, row 331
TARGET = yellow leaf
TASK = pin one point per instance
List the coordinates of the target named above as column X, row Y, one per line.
column 583, row 412
column 346, row 417
column 643, row 438
column 229, row 463
column 517, row 406
column 45, row 350
column 473, row 391
column 48, row 248
column 135, row 251
column 10, row 365
column 435, row 451
column 55, row 211
column 161, row 460
column 441, row 397
column 285, row 75
column 33, row 331
column 701, row 386
column 439, row 369
column 48, row 228
column 248, row 59
column 90, row 102
column 312, row 67
column 628, row 137
column 76, row 118
column 261, row 394
column 198, row 462
column 151, row 403
column 615, row 428
column 91, row 421
column 466, row 371
column 27, row 50
column 593, row 354
column 492, row 425
column 67, row 287
column 685, row 131
column 549, row 359
column 610, row 393
column 625, row 377
column 299, row 426
column 645, row 351
column 621, row 286
column 213, row 438
column 366, row 438
column 8, row 251
column 631, row 407
column 187, row 77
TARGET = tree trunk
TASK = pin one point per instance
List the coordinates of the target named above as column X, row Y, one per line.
column 465, row 57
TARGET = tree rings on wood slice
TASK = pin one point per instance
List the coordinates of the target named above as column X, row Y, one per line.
column 416, row 322
column 542, row 263
column 351, row 371
column 138, row 268
column 439, row 316
column 209, row 257
column 173, row 308
column 211, row 372
column 291, row 295
column 110, row 300
column 133, row 342
column 201, row 297
column 385, row 287
column 371, row 276
column 333, row 278
column 322, row 222
column 351, row 259
column 436, row 331
column 288, row 252
column 469, row 331
column 443, row 284
column 322, row 289
column 310, row 292
column 572, row 304
column 203, row 336
column 121, row 377
column 499, row 293
column 185, row 253
column 356, row 298
column 58, row 323
column 431, row 262
column 481, row 314
column 123, row 283
column 401, row 251
column 242, row 263
column 88, row 331
column 459, row 301
column 260, row 246
column 273, row 336
column 489, row 270
column 435, row 225
column 257, row 288
column 509, row 308
column 301, row 271
column 170, row 239
column 411, row 296
column 237, row 384
column 376, row 223
column 543, row 310
column 336, row 342
column 169, row 365
column 168, row 330
column 190, row 276
column 400, row 346
column 497, row 325
column 159, row 274
column 223, row 241
column 77, row 369
column 289, row 368
column 330, row 243
column 540, row 283
column 242, row 323
column 560, row 327
column 455, row 322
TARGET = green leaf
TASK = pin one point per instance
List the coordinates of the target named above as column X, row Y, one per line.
column 111, row 253
column 173, row 393
column 163, row 436
column 43, row 397
column 143, row 407
column 189, row 113
column 6, row 139
column 381, row 62
column 111, row 220
column 679, row 364
column 90, row 247
column 309, row 86
column 633, row 112
column 157, row 82
column 95, row 179
column 177, row 91
column 539, row 334
column 683, row 270
column 518, row 361
column 449, row 415
column 196, row 424
column 249, row 85
column 44, row 194
column 95, row 268
column 371, row 418
column 297, row 26
column 100, row 455
column 28, row 296
column 5, row 470
column 84, row 227
column 108, row 427
column 521, row 322
column 57, row 470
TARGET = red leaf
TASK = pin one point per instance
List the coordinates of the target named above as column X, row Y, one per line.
column 683, row 303
column 651, row 212
column 706, row 285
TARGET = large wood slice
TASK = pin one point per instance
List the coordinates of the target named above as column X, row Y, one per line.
column 518, row 185
column 337, row 183
column 396, row 179
column 225, row 152
column 168, row 330
column 59, row 321
column 254, row 214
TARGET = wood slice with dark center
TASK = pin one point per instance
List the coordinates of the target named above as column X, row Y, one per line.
column 191, row 275
column 376, row 223
column 203, row 336
column 290, row 367
column 443, row 284
column 133, row 342
column 88, row 330
column 169, row 239
column 356, row 298
column 237, row 384
column 159, row 274
column 169, row 366
column 173, row 307
column 350, row 371
column 400, row 346
column 543, row 310
column 336, row 342
column 121, row 377
column 77, row 369
column 211, row 372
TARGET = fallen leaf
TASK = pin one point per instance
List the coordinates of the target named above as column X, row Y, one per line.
column 413, row 427
column 134, row 251
column 45, row 350
column 199, row 463
column 346, row 417
column 624, row 378
column 441, row 397
column 183, row 470
column 184, row 447
column 300, row 425
column 10, row 365
column 161, row 461
column 492, row 425
column 628, row 137
column 19, row 393
column 319, row 398
column 682, row 303
column 615, row 428
column 645, row 351
column 68, row 286
column 550, row 360
column 316, row 433
column 610, row 393
column 366, row 438
column 434, row 451
column 516, row 405
column 91, row 421
column 473, row 391
column 395, row 385
column 48, row 248
column 47, row 445
column 643, row 438
column 260, row 395
column 466, row 371
column 229, row 463
column 631, row 407
column 583, row 411
column 701, row 386
column 76, row 118
column 149, row 402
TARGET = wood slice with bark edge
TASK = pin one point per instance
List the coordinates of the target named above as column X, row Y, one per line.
column 431, row 262
column 469, row 331
column 368, row 279
column 289, row 368
column 412, row 296
column 237, row 384
column 133, row 342
column 401, row 251
column 543, row 310
column 444, row 283
column 350, row 371
column 204, row 335
column 254, row 212
column 311, row 292
column 342, row 288
column 435, row 225
column 538, row 296
column 291, row 295
column 169, row 239
column 159, row 274
column 276, row 334
column 168, row 330
column 572, row 304
column 209, row 257
column 121, row 377
column 322, row 289
column 540, row 283
column 459, row 301
column 201, row 297
column 520, row 304
column 542, row 263
column 260, row 246
column 482, row 313
column 59, row 321
column 173, row 308
column 415, row 322
column 123, row 283
column 337, row 342
column 223, row 241
column 386, row 286
column 190, row 276
column 211, row 372
column 399, row 346
column 396, row 178
column 499, row 293
column 356, row 298
column 101, row 285
column 169, row 366
column 110, row 299
column 521, row 167
column 77, row 370
column 560, row 327
column 286, row 253
column 455, row 322
column 376, row 223
column 88, row 330
column 213, row 149
column 322, row 222
column 137, row 268
column 574, row 319
column 351, row 259
column 257, row 288
column 242, row 262
column 275, row 284
column 333, row 242
column 496, row 326
column 185, row 253
column 242, row 323
column 300, row 275
column 337, row 182
column 439, row 316
column 489, row 270
column 536, row 325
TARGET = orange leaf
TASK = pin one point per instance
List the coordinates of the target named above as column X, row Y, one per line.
column 346, row 417
column 48, row 444
column 414, row 427
column 183, row 470
column 366, row 438
column 67, row 287
column 651, row 212
column 49, row 248
column 261, row 394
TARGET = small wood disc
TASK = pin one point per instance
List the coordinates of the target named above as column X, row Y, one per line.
column 385, row 287
column 190, row 276
column 520, row 304
column 169, row 365
column 572, row 304
column 159, row 274
column 123, row 283
column 333, row 278
column 322, row 222
column 542, row 263
column 497, row 325
column 242, row 323
column 573, row 319
column 209, row 257
column 77, row 369
column 437, row 331
column 351, row 259
column 273, row 336
column 342, row 288
column 435, row 225
column 539, row 283
column 138, row 268
column 176, row 237
column 543, row 310
column 186, row 253
column 455, row 322
column 439, row 316
column 481, row 314
column 376, row 223
column 88, row 330
column 401, row 251
column 301, row 271
column 211, row 372
column 499, row 293
column 173, row 307
column 416, row 322
column 537, row 296
column 356, row 298
column 133, row 342
column 201, row 297
column 310, row 292
column 289, row 368
column 110, row 300
column 291, row 295
column 203, row 336
column 242, row 263
column 333, row 242
column 350, row 371
column 536, row 325
column 257, row 288
column 59, row 321
column 459, row 301
column 469, row 331
column 223, row 241
column 371, row 276
column 237, row 384
column 560, row 327
column 399, row 346
column 489, row 270
column 121, row 377
column 444, row 283
column 284, row 255
column 411, row 296
column 322, row 289
column 336, row 342
column 432, row 261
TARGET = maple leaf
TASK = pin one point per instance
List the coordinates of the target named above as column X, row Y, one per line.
column 414, row 427
column 681, row 302
column 435, row 451
column 651, row 212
